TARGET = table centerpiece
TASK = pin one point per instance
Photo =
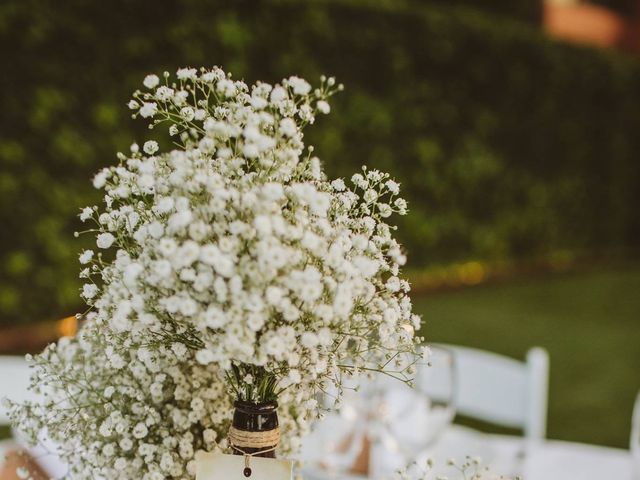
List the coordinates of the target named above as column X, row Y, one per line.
column 232, row 283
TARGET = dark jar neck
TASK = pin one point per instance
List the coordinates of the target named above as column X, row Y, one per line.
column 256, row 417
column 251, row 408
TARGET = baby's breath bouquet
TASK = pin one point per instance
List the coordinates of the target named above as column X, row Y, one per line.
column 228, row 268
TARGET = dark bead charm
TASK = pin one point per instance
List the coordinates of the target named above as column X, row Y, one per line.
column 247, row 472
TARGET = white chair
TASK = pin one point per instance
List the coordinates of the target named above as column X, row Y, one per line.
column 14, row 382
column 501, row 390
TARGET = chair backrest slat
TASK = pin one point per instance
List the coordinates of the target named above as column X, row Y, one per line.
column 501, row 390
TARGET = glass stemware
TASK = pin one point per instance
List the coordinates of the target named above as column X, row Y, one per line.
column 438, row 382
column 384, row 424
column 407, row 422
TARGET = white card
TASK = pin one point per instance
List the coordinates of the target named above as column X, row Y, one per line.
column 218, row 466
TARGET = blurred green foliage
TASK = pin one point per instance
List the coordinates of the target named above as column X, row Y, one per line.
column 508, row 144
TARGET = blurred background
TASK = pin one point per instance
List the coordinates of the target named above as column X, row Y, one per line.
column 513, row 126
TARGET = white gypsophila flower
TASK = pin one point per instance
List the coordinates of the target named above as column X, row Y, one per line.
column 299, row 85
column 150, row 147
column 86, row 256
column 86, row 214
column 100, row 180
column 151, row 81
column 240, row 271
column 105, row 240
column 89, row 290
column 180, row 97
column 164, row 93
column 186, row 73
column 393, row 187
column 323, row 107
column 148, row 109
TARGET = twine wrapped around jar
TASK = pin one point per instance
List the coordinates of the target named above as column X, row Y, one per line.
column 242, row 439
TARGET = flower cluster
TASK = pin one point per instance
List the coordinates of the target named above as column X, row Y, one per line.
column 124, row 414
column 227, row 267
column 126, row 411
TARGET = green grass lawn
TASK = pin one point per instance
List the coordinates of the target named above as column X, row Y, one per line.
column 589, row 323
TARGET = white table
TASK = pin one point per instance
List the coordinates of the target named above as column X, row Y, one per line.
column 555, row 460
column 549, row 460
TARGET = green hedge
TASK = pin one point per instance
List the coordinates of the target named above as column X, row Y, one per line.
column 508, row 145
column 527, row 10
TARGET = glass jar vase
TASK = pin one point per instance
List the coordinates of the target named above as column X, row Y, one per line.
column 254, row 430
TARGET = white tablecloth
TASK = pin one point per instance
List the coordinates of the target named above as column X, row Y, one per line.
column 556, row 460
column 508, row 455
column 550, row 460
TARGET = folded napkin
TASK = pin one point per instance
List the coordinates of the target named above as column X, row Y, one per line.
column 378, row 430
